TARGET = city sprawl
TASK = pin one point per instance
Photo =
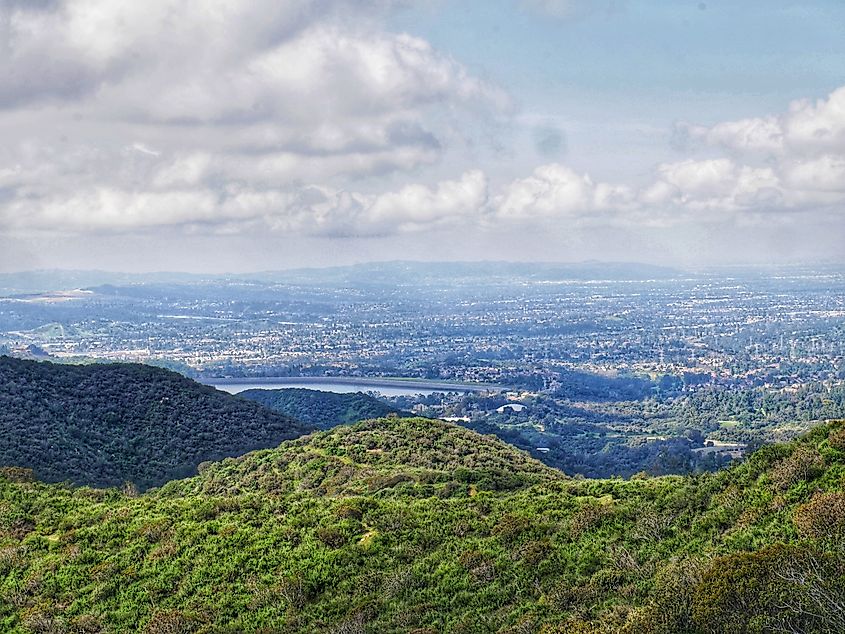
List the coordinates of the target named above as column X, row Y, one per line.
column 619, row 352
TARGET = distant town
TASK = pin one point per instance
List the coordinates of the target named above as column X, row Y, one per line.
column 566, row 345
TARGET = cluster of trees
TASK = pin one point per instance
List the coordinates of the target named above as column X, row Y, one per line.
column 601, row 434
column 578, row 386
column 321, row 409
column 404, row 525
column 108, row 424
column 595, row 452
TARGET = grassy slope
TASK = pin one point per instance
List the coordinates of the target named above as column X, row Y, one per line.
column 415, row 525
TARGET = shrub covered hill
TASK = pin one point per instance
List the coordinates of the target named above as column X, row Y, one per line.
column 319, row 408
column 106, row 424
column 413, row 525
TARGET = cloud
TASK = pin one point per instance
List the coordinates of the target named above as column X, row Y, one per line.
column 763, row 134
column 309, row 117
column 326, row 74
column 793, row 161
column 819, row 126
column 187, row 113
column 557, row 191
column 311, row 76
column 173, row 61
column 807, row 127
column 309, row 210
column 718, row 185
column 823, row 174
column 684, row 192
column 411, row 208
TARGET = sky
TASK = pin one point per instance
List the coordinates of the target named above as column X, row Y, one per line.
column 225, row 135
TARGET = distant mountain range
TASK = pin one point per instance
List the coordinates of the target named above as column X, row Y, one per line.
column 376, row 272
column 392, row 272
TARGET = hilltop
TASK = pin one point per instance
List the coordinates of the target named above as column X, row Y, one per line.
column 107, row 424
column 319, row 408
column 374, row 455
column 401, row 525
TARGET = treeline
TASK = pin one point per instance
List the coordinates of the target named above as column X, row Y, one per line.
column 319, row 408
column 761, row 408
column 578, row 386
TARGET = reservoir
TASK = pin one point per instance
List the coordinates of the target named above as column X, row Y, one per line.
column 387, row 387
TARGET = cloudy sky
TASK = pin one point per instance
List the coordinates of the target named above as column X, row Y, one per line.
column 233, row 135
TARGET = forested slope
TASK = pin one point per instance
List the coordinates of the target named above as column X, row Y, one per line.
column 106, row 424
column 414, row 525
column 319, row 408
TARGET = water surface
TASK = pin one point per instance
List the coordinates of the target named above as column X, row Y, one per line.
column 387, row 387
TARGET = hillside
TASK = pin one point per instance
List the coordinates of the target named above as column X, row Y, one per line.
column 106, row 424
column 321, row 409
column 413, row 525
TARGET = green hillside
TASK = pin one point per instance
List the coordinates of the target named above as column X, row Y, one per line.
column 106, row 424
column 319, row 408
column 413, row 525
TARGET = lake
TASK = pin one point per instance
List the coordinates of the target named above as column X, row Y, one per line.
column 343, row 385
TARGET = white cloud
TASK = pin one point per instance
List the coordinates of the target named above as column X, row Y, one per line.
column 819, row 126
column 105, row 208
column 411, row 208
column 184, row 112
column 700, row 179
column 823, row 174
column 807, row 127
column 794, row 161
column 326, row 75
column 303, row 62
column 312, row 210
column 557, row 191
column 746, row 135
column 715, row 185
column 415, row 206
column 308, row 117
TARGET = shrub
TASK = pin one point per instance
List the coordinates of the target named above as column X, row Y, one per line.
column 511, row 527
column 823, row 517
column 803, row 464
column 17, row 474
column 331, row 537
column 779, row 588
column 837, row 439
column 170, row 622
column 670, row 608
column 587, row 518
column 86, row 624
column 349, row 511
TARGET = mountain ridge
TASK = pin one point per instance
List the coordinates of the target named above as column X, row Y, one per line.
column 106, row 424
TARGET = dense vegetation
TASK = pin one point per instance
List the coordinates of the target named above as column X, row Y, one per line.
column 598, row 436
column 319, row 408
column 593, row 439
column 107, row 424
column 403, row 525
